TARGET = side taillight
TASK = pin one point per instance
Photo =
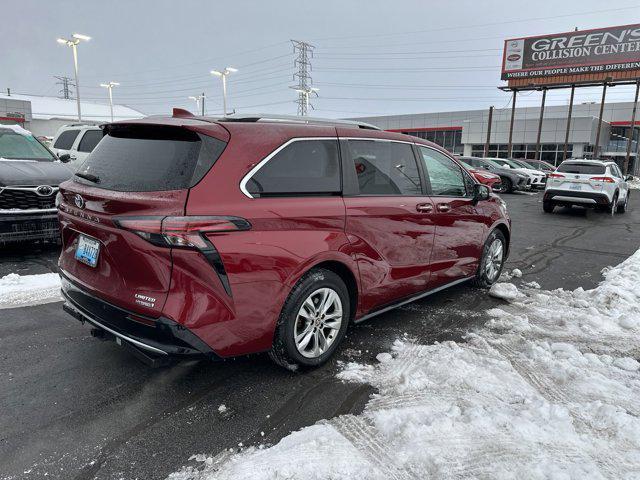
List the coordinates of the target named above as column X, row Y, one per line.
column 603, row 179
column 555, row 175
column 180, row 232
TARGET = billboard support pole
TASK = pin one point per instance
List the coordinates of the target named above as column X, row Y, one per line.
column 596, row 147
column 544, row 97
column 513, row 114
column 486, row 145
column 625, row 168
column 566, row 134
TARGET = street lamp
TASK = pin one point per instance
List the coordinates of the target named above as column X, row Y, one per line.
column 223, row 75
column 76, row 38
column 109, row 86
column 197, row 99
column 305, row 93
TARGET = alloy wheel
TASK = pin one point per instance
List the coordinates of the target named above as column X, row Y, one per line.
column 494, row 260
column 318, row 322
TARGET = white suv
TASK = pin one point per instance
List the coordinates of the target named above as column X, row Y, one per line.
column 538, row 178
column 588, row 183
column 77, row 141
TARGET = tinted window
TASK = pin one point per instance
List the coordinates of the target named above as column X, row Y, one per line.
column 17, row 146
column 616, row 171
column 302, row 167
column 385, row 168
column 89, row 140
column 582, row 168
column 445, row 176
column 66, row 139
column 146, row 158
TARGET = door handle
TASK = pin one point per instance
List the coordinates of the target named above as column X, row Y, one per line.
column 424, row 208
column 444, row 207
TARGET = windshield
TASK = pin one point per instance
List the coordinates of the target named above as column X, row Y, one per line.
column 22, row 146
column 521, row 164
column 506, row 163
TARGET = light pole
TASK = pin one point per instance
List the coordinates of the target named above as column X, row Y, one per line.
column 198, row 99
column 76, row 38
column 305, row 93
column 109, row 86
column 223, row 74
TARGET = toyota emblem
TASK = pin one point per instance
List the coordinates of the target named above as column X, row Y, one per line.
column 79, row 201
column 44, row 190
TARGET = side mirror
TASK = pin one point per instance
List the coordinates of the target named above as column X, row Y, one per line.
column 480, row 192
column 628, row 178
column 65, row 158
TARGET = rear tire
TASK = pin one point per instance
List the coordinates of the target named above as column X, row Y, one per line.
column 302, row 319
column 613, row 206
column 492, row 260
column 548, row 206
column 623, row 208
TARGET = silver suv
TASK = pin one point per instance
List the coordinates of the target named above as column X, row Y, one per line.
column 588, row 183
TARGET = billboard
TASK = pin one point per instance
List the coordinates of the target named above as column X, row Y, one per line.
column 573, row 53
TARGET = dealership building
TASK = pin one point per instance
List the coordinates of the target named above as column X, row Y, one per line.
column 465, row 132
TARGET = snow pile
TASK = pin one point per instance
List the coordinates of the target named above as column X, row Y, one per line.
column 20, row 291
column 634, row 184
column 549, row 390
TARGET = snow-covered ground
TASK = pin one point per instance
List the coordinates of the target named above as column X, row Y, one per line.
column 549, row 389
column 20, row 291
column 634, row 184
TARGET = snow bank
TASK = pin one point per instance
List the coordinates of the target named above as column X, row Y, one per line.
column 20, row 291
column 634, row 184
column 548, row 390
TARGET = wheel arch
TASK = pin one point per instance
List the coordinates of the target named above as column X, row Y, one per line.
column 504, row 229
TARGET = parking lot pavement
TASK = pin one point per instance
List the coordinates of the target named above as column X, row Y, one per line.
column 74, row 407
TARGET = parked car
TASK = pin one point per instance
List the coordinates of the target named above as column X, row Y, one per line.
column 538, row 178
column 538, row 165
column 77, row 141
column 587, row 183
column 510, row 180
column 29, row 177
column 485, row 177
column 189, row 235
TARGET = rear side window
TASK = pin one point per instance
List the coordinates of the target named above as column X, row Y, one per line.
column 89, row 140
column 66, row 139
column 144, row 158
column 445, row 175
column 303, row 167
column 385, row 168
column 582, row 168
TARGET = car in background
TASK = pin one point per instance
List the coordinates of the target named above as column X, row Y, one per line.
column 510, row 180
column 77, row 141
column 29, row 177
column 587, row 183
column 538, row 178
column 485, row 177
column 538, row 165
column 218, row 237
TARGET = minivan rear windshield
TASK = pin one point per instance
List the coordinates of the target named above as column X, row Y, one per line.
column 22, row 146
column 582, row 168
column 148, row 158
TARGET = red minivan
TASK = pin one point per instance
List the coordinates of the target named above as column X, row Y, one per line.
column 187, row 235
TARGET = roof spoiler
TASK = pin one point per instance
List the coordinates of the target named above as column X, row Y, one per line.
column 182, row 113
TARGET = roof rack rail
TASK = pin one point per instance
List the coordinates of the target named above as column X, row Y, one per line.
column 257, row 117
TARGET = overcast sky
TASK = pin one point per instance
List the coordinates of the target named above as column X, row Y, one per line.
column 372, row 57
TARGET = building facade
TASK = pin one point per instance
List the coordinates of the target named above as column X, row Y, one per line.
column 43, row 116
column 465, row 132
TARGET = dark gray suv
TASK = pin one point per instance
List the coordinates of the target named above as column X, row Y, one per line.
column 511, row 181
column 29, row 179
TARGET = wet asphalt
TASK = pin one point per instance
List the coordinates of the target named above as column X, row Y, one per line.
column 74, row 407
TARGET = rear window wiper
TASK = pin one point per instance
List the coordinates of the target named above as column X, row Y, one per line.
column 88, row 176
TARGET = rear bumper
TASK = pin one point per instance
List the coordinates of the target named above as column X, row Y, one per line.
column 569, row 197
column 28, row 225
column 155, row 336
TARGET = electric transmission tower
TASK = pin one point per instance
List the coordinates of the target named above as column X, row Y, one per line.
column 65, row 90
column 302, row 63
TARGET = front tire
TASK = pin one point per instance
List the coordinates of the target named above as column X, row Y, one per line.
column 507, row 185
column 313, row 321
column 492, row 260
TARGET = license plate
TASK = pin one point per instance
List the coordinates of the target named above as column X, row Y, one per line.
column 575, row 186
column 88, row 250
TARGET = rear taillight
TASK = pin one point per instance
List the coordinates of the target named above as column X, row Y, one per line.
column 180, row 232
column 603, row 179
column 555, row 175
